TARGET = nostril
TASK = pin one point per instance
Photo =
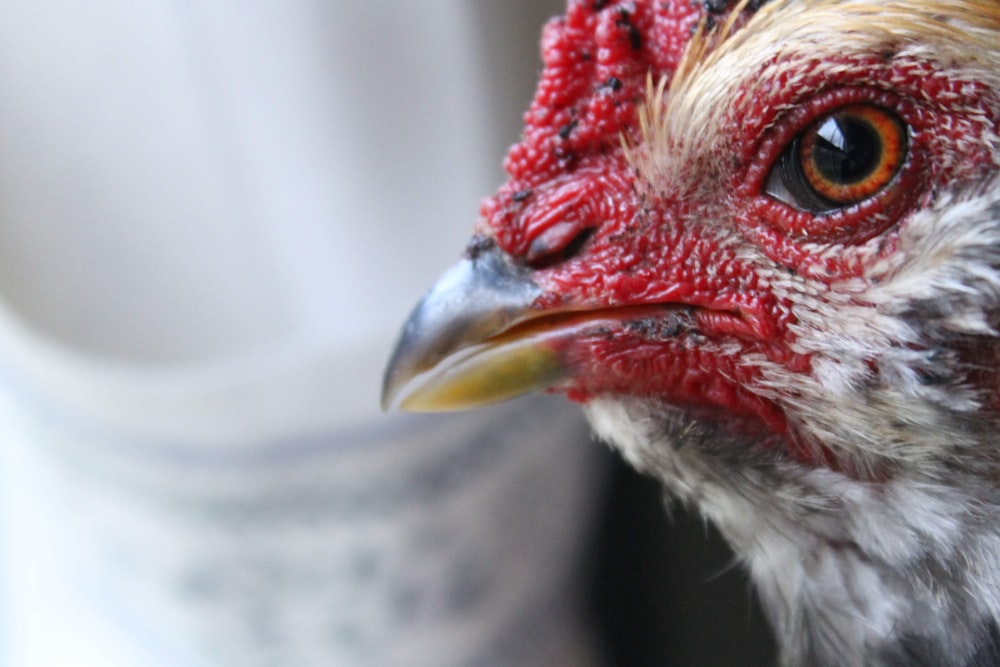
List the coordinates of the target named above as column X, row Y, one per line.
column 558, row 243
column 479, row 244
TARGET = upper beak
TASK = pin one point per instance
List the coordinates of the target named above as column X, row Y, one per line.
column 464, row 344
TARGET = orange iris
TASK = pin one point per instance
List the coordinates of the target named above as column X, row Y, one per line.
column 853, row 153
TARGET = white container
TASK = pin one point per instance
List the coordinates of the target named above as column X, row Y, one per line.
column 213, row 217
column 413, row 541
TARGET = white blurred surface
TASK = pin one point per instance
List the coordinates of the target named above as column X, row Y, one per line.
column 213, row 217
column 246, row 165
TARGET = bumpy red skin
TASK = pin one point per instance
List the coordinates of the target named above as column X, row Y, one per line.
column 569, row 174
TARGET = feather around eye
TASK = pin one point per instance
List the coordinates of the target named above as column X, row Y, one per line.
column 842, row 159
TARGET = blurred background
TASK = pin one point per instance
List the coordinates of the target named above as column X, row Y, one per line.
column 213, row 219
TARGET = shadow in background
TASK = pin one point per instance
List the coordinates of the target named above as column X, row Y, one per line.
column 666, row 591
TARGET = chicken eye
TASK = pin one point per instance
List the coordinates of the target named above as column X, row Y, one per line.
column 840, row 160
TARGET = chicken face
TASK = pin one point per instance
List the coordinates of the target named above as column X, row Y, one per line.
column 728, row 214
column 761, row 245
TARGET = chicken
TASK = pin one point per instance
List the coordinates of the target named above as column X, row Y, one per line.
column 760, row 244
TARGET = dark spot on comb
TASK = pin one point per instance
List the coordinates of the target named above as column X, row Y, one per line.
column 635, row 37
column 625, row 22
column 612, row 83
column 599, row 5
column 567, row 129
column 520, row 195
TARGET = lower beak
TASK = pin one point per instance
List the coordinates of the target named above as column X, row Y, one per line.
column 467, row 343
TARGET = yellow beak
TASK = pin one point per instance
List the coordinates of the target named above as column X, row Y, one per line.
column 467, row 343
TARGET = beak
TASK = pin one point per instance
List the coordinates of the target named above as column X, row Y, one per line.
column 467, row 343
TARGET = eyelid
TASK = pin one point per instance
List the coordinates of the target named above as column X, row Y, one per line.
column 851, row 224
column 775, row 133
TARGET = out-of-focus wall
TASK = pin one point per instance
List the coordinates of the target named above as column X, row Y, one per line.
column 252, row 169
column 213, row 218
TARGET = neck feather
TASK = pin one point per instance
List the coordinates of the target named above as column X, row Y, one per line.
column 899, row 571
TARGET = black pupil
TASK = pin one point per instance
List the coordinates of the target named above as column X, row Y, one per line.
column 847, row 149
